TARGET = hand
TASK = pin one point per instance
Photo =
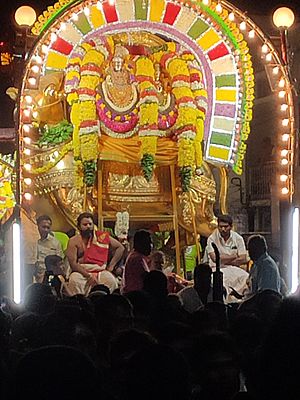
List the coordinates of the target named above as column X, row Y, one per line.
column 92, row 281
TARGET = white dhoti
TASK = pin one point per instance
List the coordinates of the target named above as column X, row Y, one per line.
column 78, row 283
column 236, row 278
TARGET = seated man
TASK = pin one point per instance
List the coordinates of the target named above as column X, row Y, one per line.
column 87, row 253
column 233, row 254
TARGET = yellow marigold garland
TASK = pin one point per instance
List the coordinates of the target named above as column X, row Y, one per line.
column 82, row 98
column 186, row 120
column 148, row 114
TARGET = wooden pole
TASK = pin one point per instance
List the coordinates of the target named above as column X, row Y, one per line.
column 100, row 196
column 175, row 218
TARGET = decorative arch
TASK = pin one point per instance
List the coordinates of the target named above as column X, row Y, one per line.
column 216, row 42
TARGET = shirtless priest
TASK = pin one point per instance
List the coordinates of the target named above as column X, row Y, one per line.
column 87, row 253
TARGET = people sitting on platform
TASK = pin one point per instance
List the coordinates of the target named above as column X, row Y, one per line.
column 87, row 253
column 233, row 255
column 264, row 273
column 136, row 266
column 46, row 245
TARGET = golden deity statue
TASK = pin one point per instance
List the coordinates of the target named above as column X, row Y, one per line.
column 118, row 90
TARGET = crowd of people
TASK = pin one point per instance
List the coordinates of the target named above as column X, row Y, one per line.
column 84, row 329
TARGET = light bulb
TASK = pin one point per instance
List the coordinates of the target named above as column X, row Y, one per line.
column 35, row 69
column 27, row 152
column 265, row 48
column 284, row 161
column 269, row 57
column 38, row 59
column 285, row 190
column 285, row 137
column 26, row 128
column 44, row 49
column 275, row 70
column 281, row 83
column 283, row 178
column 281, row 94
column 27, row 196
column 243, row 26
column 284, row 152
column 285, row 122
column 231, row 16
column 27, row 140
column 252, row 34
column 86, row 11
column 27, row 181
column 32, row 81
column 26, row 112
column 284, row 107
column 27, row 167
column 219, row 8
column 28, row 99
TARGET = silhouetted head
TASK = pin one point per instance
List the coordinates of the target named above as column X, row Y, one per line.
column 142, row 242
column 156, row 284
column 257, row 246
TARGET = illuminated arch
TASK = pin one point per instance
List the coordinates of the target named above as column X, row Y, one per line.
column 213, row 38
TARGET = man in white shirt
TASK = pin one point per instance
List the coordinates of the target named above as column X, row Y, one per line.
column 46, row 245
column 233, row 254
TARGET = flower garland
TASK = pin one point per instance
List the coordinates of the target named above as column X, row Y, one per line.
column 148, row 114
column 7, row 199
column 187, row 116
column 82, row 96
column 200, row 97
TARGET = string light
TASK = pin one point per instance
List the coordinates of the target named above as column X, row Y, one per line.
column 243, row 26
column 285, row 190
column 284, row 152
column 27, row 152
column 27, row 140
column 282, row 94
column 231, row 16
column 283, row 178
column 265, row 48
column 285, row 137
column 252, row 34
column 281, row 83
column 35, row 69
column 219, row 8
column 28, row 196
column 27, row 181
column 27, row 167
column 285, row 122
column 284, row 107
column 284, row 161
column 275, row 70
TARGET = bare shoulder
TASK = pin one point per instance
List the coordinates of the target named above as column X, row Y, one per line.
column 75, row 241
